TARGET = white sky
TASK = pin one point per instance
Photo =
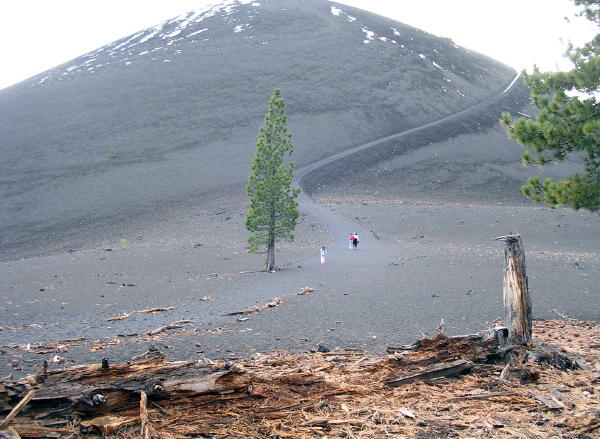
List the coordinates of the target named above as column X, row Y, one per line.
column 36, row 35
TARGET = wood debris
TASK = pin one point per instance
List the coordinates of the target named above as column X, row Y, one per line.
column 174, row 325
column 333, row 394
column 257, row 308
column 305, row 290
column 143, row 311
column 440, row 370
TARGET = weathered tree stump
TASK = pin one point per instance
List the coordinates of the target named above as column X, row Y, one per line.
column 517, row 302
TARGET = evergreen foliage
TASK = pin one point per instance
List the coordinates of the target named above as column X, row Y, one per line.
column 273, row 210
column 568, row 123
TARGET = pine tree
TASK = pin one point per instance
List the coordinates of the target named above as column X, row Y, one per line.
column 273, row 211
column 568, row 123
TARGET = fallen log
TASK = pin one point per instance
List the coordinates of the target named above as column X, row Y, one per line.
column 143, row 311
column 257, row 308
column 87, row 391
column 305, row 290
column 442, row 370
column 175, row 325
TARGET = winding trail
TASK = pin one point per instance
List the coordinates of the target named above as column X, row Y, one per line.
column 338, row 227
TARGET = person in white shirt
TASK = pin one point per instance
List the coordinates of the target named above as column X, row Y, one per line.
column 323, row 254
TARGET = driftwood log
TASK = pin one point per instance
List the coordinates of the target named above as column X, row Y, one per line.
column 517, row 302
column 112, row 396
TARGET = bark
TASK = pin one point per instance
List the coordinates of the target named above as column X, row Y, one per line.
column 517, row 302
column 445, row 370
column 271, row 253
column 92, row 391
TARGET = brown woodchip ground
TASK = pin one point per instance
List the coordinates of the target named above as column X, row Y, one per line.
column 343, row 394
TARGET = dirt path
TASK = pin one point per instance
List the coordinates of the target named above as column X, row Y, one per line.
column 339, row 227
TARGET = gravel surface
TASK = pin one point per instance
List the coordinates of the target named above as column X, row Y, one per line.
column 426, row 253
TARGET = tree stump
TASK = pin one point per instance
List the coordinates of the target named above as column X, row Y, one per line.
column 517, row 302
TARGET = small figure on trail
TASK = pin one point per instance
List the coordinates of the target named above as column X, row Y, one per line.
column 351, row 241
column 323, row 254
column 355, row 241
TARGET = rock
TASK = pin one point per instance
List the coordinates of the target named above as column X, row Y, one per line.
column 321, row 348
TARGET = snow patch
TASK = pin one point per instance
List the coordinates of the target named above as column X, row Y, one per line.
column 143, row 53
column 421, row 56
column 128, row 62
column 197, row 32
column 167, row 60
column 240, row 28
column 383, row 38
column 459, row 92
column 156, row 30
column 395, row 31
column 172, row 34
column 338, row 13
column 43, row 79
column 370, row 36
column 126, row 42
column 437, row 65
column 191, row 17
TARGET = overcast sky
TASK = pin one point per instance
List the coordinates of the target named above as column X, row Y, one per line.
column 36, row 35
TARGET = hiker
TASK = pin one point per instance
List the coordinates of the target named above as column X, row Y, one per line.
column 323, row 254
column 350, row 241
column 355, row 241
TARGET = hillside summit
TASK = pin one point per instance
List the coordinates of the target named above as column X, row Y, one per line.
column 167, row 117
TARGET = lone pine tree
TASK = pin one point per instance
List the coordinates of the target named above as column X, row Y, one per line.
column 568, row 123
column 273, row 210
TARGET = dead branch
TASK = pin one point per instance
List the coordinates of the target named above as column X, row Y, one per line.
column 144, row 311
column 15, row 411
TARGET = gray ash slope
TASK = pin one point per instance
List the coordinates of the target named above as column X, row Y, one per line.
column 167, row 117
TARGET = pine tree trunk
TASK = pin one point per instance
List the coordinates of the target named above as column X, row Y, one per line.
column 271, row 253
column 517, row 303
